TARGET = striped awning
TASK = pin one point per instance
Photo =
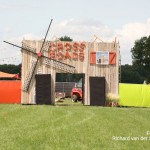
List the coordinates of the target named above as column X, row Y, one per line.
column 7, row 75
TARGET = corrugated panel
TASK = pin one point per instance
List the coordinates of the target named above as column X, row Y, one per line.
column 64, row 86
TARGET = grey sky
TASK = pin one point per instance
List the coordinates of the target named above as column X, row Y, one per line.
column 80, row 19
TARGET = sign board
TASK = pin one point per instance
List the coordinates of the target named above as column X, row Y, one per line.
column 102, row 57
column 67, row 50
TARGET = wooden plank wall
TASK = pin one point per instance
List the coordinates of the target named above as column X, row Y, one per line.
column 110, row 72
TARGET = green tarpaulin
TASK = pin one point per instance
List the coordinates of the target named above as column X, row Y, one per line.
column 134, row 95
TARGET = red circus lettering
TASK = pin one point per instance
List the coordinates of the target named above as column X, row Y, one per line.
column 53, row 49
column 67, row 46
column 61, row 50
column 60, row 46
column 74, row 56
column 67, row 55
column 81, row 56
column 52, row 55
column 75, row 46
column 60, row 55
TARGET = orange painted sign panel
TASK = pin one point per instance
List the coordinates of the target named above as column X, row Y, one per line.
column 100, row 56
column 112, row 58
column 93, row 58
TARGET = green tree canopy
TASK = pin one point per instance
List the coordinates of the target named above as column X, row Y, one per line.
column 130, row 74
column 65, row 38
column 141, row 56
column 141, row 52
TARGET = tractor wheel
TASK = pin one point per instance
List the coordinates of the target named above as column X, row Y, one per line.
column 74, row 98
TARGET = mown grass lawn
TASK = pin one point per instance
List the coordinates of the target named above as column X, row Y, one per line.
column 76, row 127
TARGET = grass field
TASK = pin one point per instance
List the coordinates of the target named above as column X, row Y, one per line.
column 73, row 127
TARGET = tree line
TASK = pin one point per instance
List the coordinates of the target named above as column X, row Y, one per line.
column 129, row 74
column 132, row 74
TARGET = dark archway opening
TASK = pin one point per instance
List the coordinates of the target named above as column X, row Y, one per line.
column 69, row 89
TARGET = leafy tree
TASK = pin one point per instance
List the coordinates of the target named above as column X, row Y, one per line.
column 130, row 74
column 141, row 52
column 141, row 56
column 65, row 38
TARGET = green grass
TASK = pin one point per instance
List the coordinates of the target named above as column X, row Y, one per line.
column 72, row 127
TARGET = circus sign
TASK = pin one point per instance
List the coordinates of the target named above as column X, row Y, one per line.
column 67, row 50
column 102, row 57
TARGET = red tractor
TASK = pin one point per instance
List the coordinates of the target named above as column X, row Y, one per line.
column 76, row 92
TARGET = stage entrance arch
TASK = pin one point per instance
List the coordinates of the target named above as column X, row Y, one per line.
column 41, row 60
column 92, row 59
column 70, row 86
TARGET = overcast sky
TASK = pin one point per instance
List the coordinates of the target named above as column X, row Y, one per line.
column 128, row 20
